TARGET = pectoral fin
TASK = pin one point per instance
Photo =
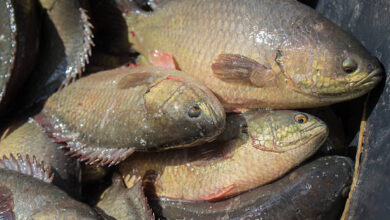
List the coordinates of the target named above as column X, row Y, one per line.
column 237, row 68
column 162, row 59
column 135, row 79
column 219, row 194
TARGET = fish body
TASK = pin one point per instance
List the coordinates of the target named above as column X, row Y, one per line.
column 27, row 137
column 30, row 195
column 258, row 53
column 19, row 32
column 269, row 144
column 107, row 116
column 316, row 190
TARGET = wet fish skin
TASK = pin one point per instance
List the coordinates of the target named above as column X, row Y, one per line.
column 108, row 115
column 313, row 191
column 258, row 54
column 120, row 202
column 18, row 48
column 27, row 137
column 36, row 199
column 269, row 144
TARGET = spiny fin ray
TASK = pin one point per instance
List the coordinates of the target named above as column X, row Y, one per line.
column 28, row 167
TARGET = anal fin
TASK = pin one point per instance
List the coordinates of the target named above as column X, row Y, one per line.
column 238, row 68
column 98, row 156
column 219, row 194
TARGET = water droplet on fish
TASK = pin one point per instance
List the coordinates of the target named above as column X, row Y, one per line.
column 142, row 142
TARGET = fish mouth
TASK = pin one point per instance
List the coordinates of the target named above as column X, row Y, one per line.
column 373, row 78
column 315, row 131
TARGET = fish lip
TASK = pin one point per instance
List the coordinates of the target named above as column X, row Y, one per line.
column 319, row 133
column 374, row 77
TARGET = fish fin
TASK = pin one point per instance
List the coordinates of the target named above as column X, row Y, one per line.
column 138, row 199
column 162, row 59
column 6, row 204
column 239, row 110
column 219, row 194
column 97, row 156
column 91, row 155
column 26, row 166
column 238, row 68
column 135, row 79
column 72, row 75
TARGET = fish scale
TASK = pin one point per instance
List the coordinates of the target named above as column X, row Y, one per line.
column 288, row 39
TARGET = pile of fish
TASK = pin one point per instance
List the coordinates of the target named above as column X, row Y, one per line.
column 201, row 127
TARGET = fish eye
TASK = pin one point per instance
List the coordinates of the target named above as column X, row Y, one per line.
column 300, row 118
column 350, row 65
column 194, row 111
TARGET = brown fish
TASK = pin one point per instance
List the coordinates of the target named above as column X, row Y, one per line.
column 27, row 186
column 269, row 144
column 257, row 53
column 105, row 117
column 27, row 137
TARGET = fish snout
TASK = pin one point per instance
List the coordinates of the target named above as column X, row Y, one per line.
column 319, row 133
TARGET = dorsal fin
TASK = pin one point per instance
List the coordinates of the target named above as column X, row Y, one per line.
column 26, row 166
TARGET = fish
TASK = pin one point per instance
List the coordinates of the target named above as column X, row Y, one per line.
column 19, row 34
column 316, row 190
column 254, row 54
column 24, row 136
column 26, row 192
column 269, row 144
column 67, row 41
column 104, row 117
column 120, row 202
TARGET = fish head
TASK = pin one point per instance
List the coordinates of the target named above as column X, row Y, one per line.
column 284, row 131
column 188, row 112
column 329, row 64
